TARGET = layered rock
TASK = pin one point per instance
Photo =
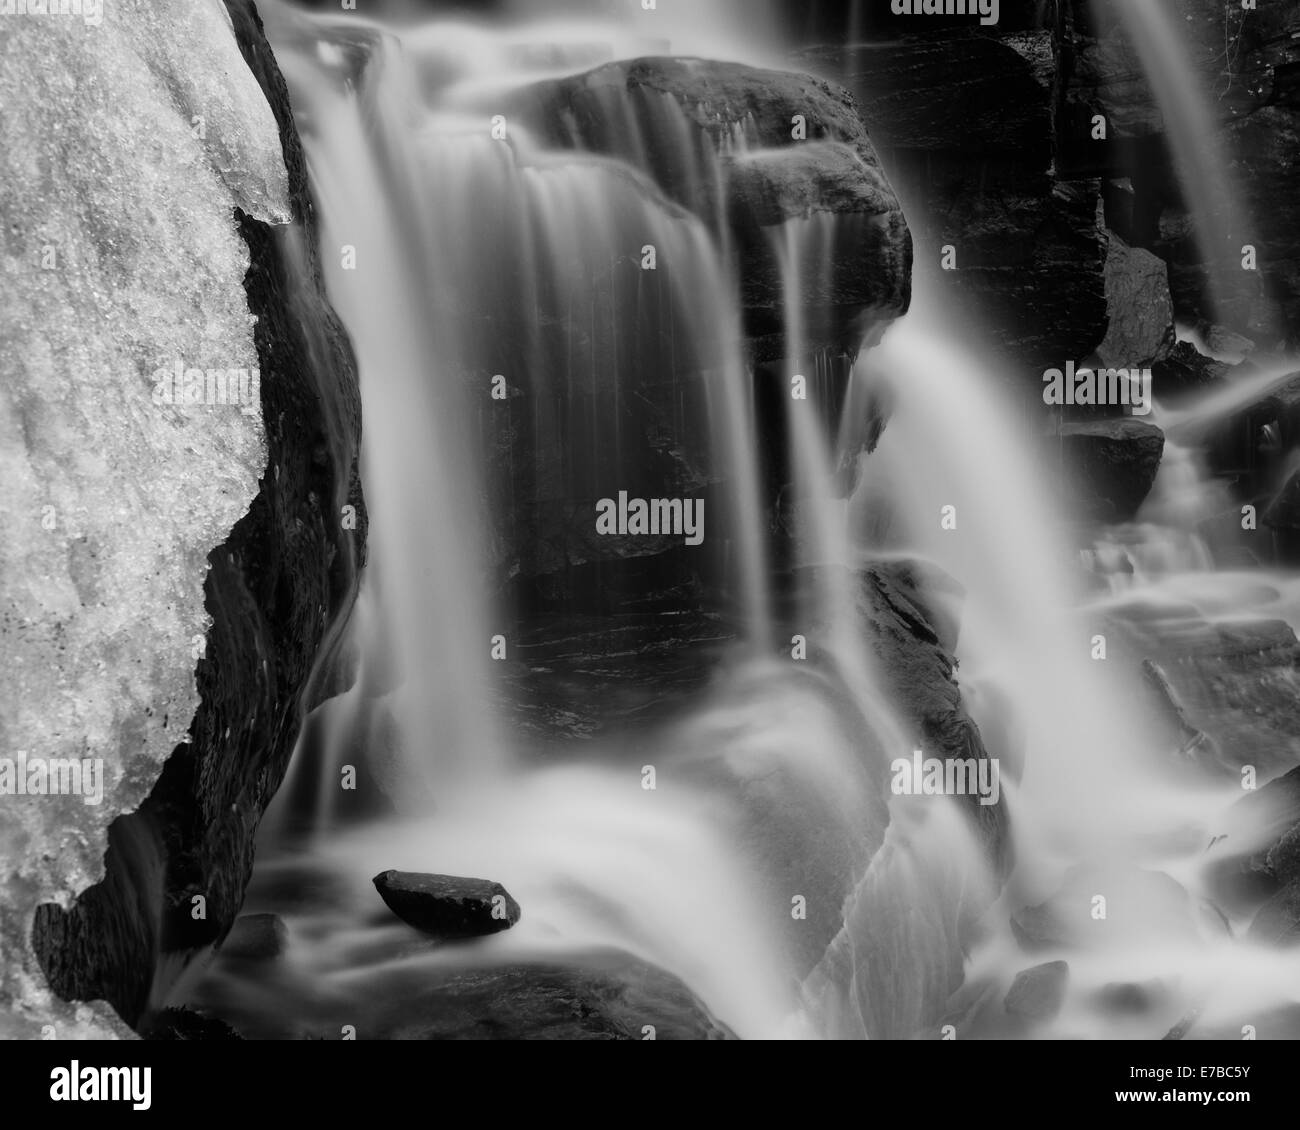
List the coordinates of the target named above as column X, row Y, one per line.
column 1140, row 324
column 1244, row 62
column 774, row 153
column 198, row 532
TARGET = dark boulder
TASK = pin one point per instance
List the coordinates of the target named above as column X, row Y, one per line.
column 605, row 997
column 1238, row 683
column 742, row 121
column 1256, row 849
column 963, row 121
column 1140, row 311
column 1184, row 371
column 448, row 906
column 1246, row 62
column 1278, row 920
column 1250, row 440
column 1116, row 461
column 404, row 994
column 912, row 611
column 187, row 1024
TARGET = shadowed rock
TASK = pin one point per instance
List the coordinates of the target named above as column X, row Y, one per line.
column 606, row 997
column 1039, row 992
column 1256, row 849
column 1116, row 462
column 720, row 139
column 448, row 906
column 1184, row 371
column 964, row 124
column 1140, row 310
column 1278, row 920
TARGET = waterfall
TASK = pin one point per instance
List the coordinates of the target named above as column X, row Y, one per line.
column 536, row 299
column 1203, row 168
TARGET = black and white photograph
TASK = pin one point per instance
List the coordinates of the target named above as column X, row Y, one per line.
column 641, row 520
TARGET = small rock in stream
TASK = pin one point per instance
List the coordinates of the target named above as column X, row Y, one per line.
column 448, row 906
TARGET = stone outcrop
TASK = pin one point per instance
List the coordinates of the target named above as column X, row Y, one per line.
column 1245, row 63
column 1140, row 325
column 775, row 153
column 201, row 532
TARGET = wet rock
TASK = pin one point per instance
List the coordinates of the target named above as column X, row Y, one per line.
column 1251, row 440
column 1282, row 515
column 256, row 937
column 829, row 185
column 963, row 123
column 1264, row 304
column 1246, row 62
column 1256, row 848
column 1224, row 343
column 448, row 906
column 1238, row 683
column 610, row 997
column 1191, row 741
column 1184, row 371
column 1039, row 992
column 280, row 571
column 599, row 994
column 1278, row 920
column 579, row 677
column 1139, row 308
column 840, row 205
column 913, row 610
column 1116, row 461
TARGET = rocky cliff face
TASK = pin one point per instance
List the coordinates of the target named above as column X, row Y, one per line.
column 1248, row 62
column 180, row 560
column 965, row 125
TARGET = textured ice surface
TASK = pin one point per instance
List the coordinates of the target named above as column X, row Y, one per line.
column 124, row 148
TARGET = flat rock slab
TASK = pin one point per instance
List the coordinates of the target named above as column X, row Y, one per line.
column 446, row 905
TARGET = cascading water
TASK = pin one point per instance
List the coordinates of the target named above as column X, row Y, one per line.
column 465, row 264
